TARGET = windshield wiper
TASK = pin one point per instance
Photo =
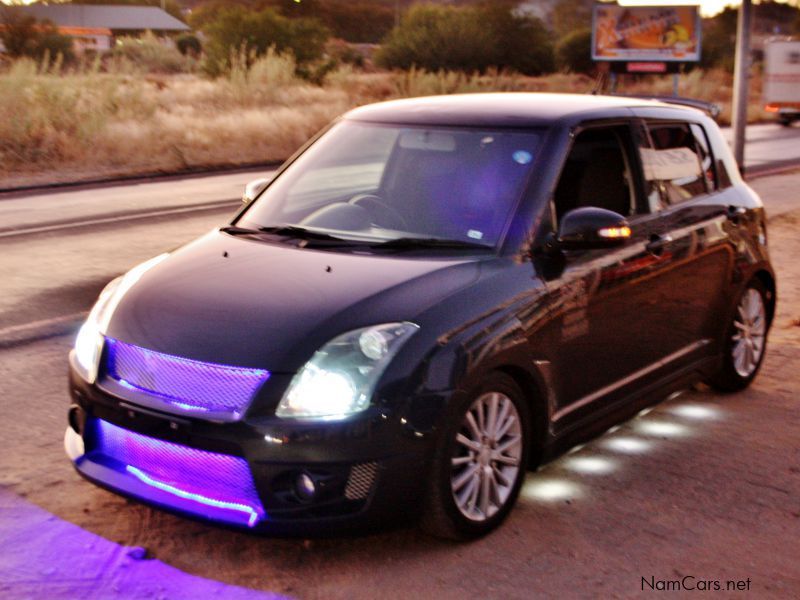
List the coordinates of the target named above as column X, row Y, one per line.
column 236, row 230
column 412, row 243
column 296, row 232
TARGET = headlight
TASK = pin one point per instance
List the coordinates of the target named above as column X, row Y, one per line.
column 89, row 343
column 339, row 379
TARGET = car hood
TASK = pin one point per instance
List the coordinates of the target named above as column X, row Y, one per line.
column 250, row 303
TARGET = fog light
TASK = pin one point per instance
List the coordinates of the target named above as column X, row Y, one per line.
column 304, row 487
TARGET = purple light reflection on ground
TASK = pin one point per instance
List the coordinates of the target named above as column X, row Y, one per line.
column 42, row 556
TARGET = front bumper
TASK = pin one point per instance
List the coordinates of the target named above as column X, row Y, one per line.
column 366, row 472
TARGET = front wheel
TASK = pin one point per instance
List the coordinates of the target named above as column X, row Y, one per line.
column 745, row 341
column 480, row 462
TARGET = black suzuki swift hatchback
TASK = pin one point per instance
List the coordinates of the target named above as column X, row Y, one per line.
column 429, row 299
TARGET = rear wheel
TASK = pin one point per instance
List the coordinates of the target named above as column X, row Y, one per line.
column 745, row 340
column 480, row 462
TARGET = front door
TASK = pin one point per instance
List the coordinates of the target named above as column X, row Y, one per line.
column 604, row 332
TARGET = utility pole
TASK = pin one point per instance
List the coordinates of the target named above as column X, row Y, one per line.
column 397, row 13
column 741, row 79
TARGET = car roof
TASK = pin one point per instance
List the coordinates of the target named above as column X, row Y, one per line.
column 503, row 109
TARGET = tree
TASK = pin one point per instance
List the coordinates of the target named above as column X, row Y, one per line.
column 357, row 21
column 235, row 29
column 189, row 44
column 19, row 32
column 521, row 43
column 571, row 15
column 574, row 52
column 23, row 35
column 468, row 39
column 719, row 39
column 438, row 37
column 351, row 20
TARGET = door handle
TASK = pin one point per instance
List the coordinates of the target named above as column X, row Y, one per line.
column 657, row 243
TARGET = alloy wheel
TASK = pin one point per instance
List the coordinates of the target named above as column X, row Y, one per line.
column 750, row 325
column 488, row 452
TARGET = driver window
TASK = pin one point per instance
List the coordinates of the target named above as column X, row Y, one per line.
column 597, row 173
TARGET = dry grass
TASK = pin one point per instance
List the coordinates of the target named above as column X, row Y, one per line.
column 86, row 122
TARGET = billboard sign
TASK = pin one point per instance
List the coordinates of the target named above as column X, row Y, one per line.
column 646, row 33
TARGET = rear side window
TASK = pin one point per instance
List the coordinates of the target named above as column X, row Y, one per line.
column 676, row 161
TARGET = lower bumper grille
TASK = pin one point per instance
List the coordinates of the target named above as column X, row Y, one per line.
column 359, row 483
column 215, row 486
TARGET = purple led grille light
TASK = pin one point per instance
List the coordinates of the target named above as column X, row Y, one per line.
column 197, row 481
column 182, row 383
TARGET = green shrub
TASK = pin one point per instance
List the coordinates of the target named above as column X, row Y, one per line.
column 438, row 38
column 235, row 29
column 189, row 44
column 23, row 35
column 521, row 43
column 149, row 53
column 574, row 52
column 468, row 39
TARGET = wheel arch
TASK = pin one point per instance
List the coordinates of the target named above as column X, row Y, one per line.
column 537, row 403
column 767, row 279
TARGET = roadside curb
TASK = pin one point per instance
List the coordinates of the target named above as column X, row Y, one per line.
column 18, row 335
column 146, row 177
column 775, row 168
column 109, row 218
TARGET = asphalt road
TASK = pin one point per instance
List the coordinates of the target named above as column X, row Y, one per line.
column 768, row 144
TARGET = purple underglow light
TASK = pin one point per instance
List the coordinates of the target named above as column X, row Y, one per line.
column 191, row 475
column 182, row 383
column 254, row 514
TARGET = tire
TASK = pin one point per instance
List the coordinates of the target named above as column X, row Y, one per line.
column 461, row 505
column 745, row 340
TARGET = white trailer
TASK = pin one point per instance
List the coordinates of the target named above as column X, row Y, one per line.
column 781, row 94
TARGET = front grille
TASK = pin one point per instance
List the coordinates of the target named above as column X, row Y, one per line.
column 181, row 383
column 360, row 481
column 194, row 480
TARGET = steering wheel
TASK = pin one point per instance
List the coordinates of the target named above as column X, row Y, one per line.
column 394, row 219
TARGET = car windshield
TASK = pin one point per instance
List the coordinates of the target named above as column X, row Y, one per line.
column 375, row 183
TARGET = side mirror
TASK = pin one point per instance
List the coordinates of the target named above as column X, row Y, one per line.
column 590, row 227
column 254, row 188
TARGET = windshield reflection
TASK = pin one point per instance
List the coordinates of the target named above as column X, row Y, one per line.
column 373, row 183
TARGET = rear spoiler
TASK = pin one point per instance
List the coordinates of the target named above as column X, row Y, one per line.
column 711, row 109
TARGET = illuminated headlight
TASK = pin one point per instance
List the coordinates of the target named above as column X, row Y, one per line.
column 89, row 343
column 339, row 379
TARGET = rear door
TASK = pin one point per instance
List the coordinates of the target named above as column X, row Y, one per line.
column 689, row 222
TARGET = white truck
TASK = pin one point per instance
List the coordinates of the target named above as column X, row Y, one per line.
column 781, row 93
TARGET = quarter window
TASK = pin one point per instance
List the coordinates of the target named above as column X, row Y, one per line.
column 706, row 158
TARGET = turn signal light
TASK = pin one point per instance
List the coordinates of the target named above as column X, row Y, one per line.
column 615, row 232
